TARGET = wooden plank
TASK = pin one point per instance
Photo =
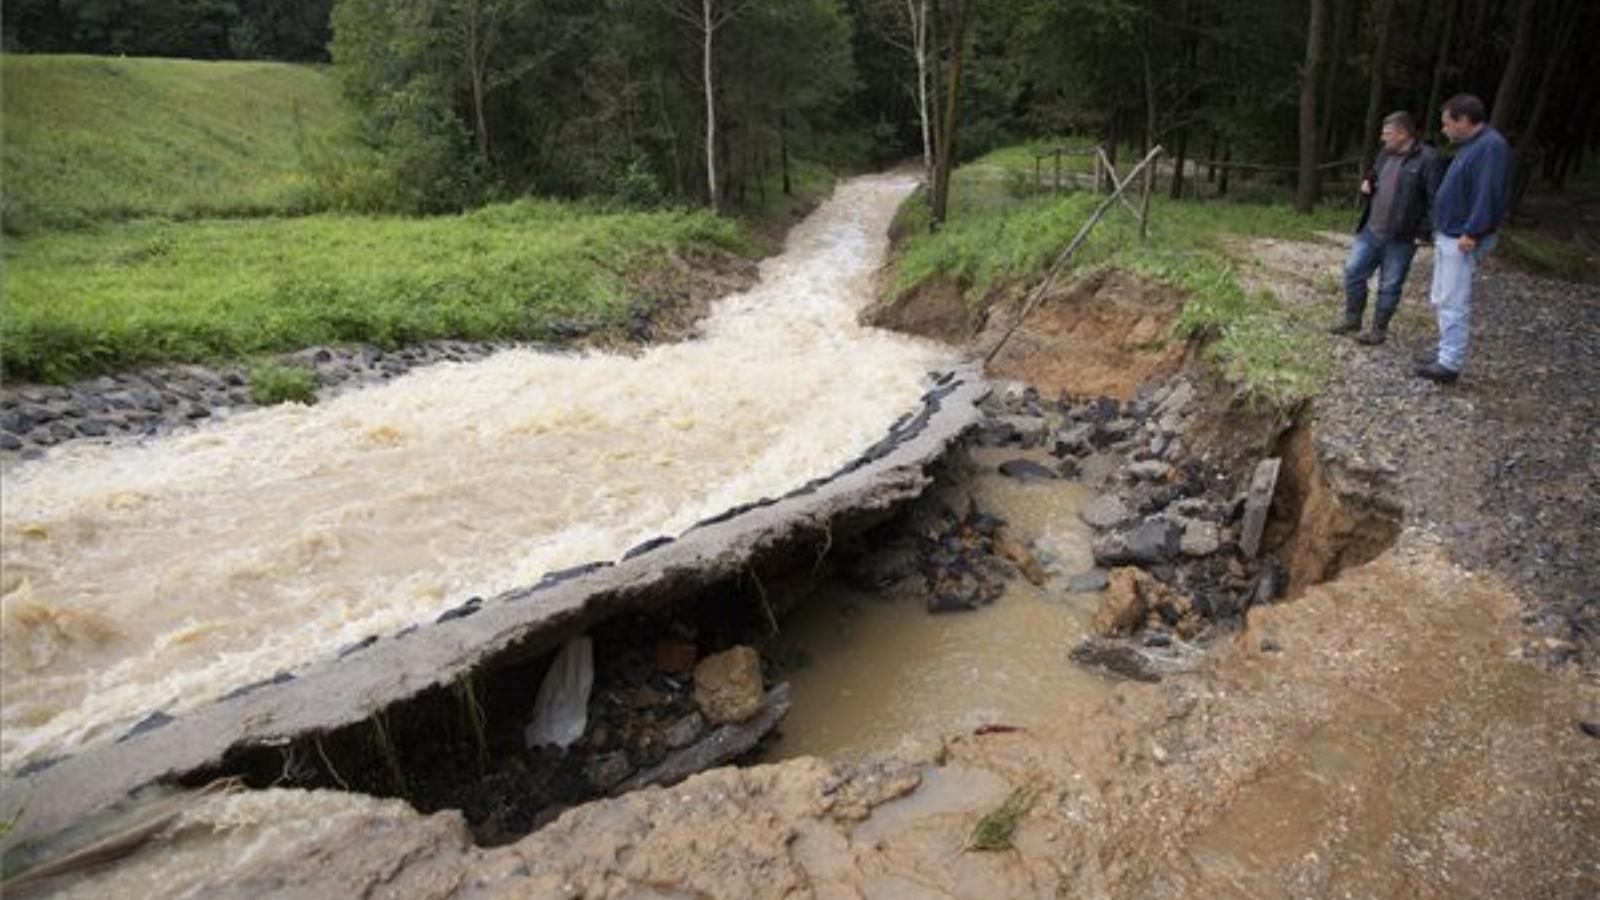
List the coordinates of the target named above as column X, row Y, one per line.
column 1256, row 505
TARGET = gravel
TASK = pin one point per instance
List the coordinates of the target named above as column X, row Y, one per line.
column 1501, row 466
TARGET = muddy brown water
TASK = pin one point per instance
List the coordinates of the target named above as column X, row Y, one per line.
column 159, row 576
column 883, row 668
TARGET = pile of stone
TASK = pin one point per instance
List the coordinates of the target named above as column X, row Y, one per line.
column 653, row 719
column 35, row 417
column 1171, row 550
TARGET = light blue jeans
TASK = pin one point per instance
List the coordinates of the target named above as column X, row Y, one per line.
column 1451, row 295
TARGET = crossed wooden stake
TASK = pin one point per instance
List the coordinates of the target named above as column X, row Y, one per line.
column 1118, row 186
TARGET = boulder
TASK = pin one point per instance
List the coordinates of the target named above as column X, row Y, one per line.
column 1200, row 538
column 1123, row 610
column 1073, row 440
column 1134, row 598
column 1154, row 540
column 727, row 685
column 1150, row 470
column 1105, row 511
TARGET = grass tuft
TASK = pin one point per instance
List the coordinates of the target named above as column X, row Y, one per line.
column 994, row 830
column 273, row 383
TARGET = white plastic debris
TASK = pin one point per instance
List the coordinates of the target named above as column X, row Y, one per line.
column 561, row 710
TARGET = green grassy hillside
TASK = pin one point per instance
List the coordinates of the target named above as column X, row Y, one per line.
column 91, row 139
column 120, row 296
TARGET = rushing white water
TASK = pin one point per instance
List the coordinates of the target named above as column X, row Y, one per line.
column 159, row 576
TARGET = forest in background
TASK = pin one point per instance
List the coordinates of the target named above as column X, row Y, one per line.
column 649, row 101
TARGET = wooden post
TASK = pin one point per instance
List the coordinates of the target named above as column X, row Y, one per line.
column 1057, row 189
column 1144, row 203
column 1038, row 175
column 1043, row 287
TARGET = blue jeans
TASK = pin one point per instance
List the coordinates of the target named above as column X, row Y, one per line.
column 1391, row 259
column 1451, row 295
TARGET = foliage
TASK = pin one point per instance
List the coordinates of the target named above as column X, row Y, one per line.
column 1545, row 255
column 201, row 29
column 272, row 383
column 90, row 139
column 153, row 291
column 579, row 97
column 1273, row 350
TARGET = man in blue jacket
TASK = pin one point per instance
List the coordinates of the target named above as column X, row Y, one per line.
column 1468, row 209
column 1394, row 216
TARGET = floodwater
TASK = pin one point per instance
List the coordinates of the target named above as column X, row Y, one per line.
column 882, row 667
column 159, row 576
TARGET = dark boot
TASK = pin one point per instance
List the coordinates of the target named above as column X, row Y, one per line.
column 1435, row 372
column 1375, row 335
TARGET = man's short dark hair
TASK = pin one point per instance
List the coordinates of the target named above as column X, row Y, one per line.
column 1464, row 106
column 1402, row 120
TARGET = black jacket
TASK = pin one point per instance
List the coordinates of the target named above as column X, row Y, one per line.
column 1411, row 213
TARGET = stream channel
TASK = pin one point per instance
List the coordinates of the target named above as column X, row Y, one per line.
column 160, row 575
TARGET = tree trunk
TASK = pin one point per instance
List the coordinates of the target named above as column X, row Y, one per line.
column 1227, row 157
column 1530, row 145
column 708, row 31
column 917, row 12
column 1380, row 58
column 1505, row 98
column 1305, row 196
column 1180, row 156
column 783, row 152
column 947, row 124
column 1343, row 14
column 1430, row 113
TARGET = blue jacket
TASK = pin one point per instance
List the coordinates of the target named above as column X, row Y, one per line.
column 1472, row 198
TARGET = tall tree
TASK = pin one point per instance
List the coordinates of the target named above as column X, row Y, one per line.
column 1305, row 196
column 707, row 17
column 1504, row 114
column 1441, row 61
column 1380, row 62
column 955, row 31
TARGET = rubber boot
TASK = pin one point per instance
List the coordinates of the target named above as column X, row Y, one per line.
column 1375, row 335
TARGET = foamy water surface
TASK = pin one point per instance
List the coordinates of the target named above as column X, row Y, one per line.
column 159, row 576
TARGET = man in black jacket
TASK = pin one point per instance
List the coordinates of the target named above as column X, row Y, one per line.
column 1397, row 199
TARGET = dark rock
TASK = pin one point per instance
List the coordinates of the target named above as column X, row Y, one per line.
column 92, row 428
column 1027, row 470
column 1151, row 541
column 1069, row 468
column 606, row 770
column 62, row 431
column 1029, row 431
column 1268, row 645
column 685, row 731
column 1150, row 470
column 882, row 567
column 1073, row 440
column 1115, row 431
column 9, row 441
column 15, row 422
column 1115, row 657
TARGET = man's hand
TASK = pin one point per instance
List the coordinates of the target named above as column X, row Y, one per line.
column 1467, row 243
column 1366, row 187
